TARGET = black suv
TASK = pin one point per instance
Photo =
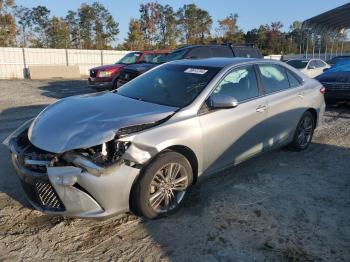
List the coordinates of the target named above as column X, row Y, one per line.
column 191, row 52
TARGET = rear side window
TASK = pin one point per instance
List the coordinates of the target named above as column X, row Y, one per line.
column 293, row 80
column 274, row 78
column 199, row 52
column 240, row 83
column 221, row 51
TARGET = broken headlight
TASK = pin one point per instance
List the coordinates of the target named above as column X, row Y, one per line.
column 97, row 159
column 107, row 153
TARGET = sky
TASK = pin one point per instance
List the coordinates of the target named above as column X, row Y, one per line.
column 251, row 13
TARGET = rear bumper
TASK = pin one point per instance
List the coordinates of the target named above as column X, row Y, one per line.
column 331, row 95
column 71, row 191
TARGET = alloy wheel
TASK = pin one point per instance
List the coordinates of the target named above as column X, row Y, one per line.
column 304, row 134
column 168, row 187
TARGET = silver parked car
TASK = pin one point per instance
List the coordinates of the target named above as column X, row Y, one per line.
column 143, row 146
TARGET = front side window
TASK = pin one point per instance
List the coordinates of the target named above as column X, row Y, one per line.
column 170, row 84
column 274, row 78
column 130, row 58
column 240, row 83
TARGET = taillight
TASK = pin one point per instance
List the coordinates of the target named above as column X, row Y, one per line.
column 322, row 90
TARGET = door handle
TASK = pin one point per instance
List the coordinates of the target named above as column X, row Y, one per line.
column 301, row 94
column 260, row 109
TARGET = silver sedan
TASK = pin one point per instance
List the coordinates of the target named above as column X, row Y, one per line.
column 143, row 146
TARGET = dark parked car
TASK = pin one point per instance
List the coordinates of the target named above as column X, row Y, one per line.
column 191, row 52
column 338, row 59
column 336, row 80
column 104, row 77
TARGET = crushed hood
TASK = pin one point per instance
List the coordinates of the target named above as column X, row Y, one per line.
column 89, row 120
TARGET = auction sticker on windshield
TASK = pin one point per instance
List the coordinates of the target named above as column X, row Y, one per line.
column 197, row 71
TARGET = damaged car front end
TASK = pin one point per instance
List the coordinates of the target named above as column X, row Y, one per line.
column 82, row 175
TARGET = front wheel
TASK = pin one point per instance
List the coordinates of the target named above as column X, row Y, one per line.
column 304, row 132
column 163, row 185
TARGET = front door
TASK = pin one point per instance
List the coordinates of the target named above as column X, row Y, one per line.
column 233, row 135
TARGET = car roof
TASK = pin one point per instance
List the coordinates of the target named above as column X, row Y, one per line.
column 214, row 61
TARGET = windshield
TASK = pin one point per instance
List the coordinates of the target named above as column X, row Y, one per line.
column 299, row 64
column 130, row 58
column 176, row 55
column 152, row 58
column 170, row 85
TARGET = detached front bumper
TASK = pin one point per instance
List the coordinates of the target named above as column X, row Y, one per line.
column 71, row 191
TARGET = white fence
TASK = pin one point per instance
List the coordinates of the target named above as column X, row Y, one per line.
column 15, row 61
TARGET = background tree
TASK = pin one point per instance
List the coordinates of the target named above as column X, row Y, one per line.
column 273, row 37
column 228, row 30
column 169, row 28
column 24, row 21
column 150, row 21
column 195, row 24
column 97, row 26
column 72, row 22
column 7, row 23
column 135, row 40
column 85, row 16
column 40, row 21
column 104, row 26
column 58, row 33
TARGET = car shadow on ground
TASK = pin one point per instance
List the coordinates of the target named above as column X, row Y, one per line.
column 64, row 88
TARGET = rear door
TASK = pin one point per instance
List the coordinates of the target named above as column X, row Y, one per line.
column 284, row 96
column 232, row 135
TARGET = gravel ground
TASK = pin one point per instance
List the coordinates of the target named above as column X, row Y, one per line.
column 281, row 206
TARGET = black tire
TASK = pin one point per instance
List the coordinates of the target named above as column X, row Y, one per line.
column 141, row 192
column 299, row 144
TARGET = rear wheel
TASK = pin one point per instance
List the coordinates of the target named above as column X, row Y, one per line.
column 163, row 186
column 304, row 132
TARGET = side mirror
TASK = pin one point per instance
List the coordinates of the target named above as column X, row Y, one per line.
column 311, row 67
column 220, row 101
